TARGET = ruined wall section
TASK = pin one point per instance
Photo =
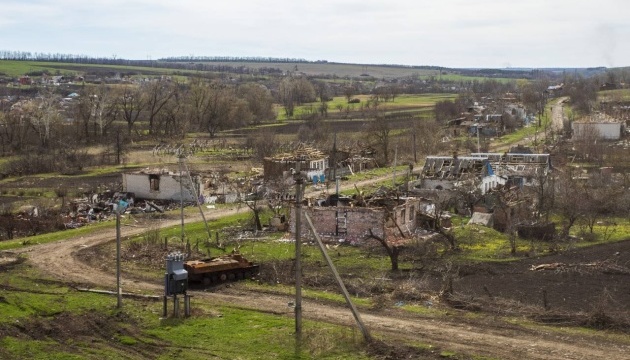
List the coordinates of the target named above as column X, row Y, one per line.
column 358, row 222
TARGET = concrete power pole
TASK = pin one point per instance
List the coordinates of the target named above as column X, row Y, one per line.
column 298, row 252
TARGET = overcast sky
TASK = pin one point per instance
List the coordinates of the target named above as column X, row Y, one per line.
column 451, row 33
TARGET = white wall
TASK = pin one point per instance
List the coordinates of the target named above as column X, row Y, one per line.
column 608, row 131
column 169, row 188
column 490, row 182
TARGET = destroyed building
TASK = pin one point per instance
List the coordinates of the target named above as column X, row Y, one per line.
column 307, row 159
column 161, row 184
column 599, row 126
column 355, row 220
column 486, row 170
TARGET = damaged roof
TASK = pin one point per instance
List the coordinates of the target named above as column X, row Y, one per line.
column 458, row 168
column 156, row 171
column 301, row 153
column 449, row 167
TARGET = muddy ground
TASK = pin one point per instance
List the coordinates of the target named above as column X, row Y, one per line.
column 581, row 280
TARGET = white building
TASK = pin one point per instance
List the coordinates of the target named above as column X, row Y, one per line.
column 162, row 185
column 607, row 130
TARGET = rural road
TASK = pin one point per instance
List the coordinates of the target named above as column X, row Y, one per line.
column 557, row 115
column 494, row 339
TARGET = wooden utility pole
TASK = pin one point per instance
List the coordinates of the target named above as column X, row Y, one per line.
column 355, row 312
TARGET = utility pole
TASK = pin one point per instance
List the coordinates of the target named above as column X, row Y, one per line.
column 395, row 164
column 118, row 208
column 118, row 287
column 181, row 192
column 415, row 154
column 334, row 159
column 478, row 145
column 298, row 252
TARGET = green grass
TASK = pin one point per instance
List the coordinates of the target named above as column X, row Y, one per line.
column 135, row 332
column 55, row 236
column 614, row 95
column 480, row 243
column 403, row 101
column 17, row 68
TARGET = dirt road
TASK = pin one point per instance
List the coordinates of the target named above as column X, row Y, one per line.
column 557, row 115
column 496, row 339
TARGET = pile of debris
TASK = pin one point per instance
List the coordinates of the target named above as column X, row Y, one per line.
column 606, row 267
column 101, row 207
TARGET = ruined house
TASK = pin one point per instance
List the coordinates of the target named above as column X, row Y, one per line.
column 600, row 126
column 487, row 170
column 384, row 217
column 355, row 159
column 307, row 159
column 161, row 184
column 449, row 172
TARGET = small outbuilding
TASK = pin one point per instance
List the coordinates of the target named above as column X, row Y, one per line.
column 161, row 184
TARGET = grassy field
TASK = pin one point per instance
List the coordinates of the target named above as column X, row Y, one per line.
column 405, row 101
column 614, row 95
column 45, row 319
column 339, row 72
column 17, row 68
column 356, row 71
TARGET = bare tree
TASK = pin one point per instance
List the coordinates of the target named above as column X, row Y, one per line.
column 509, row 204
column 379, row 133
column 44, row 114
column 213, row 107
column 602, row 197
column 172, row 119
column 287, row 97
column 393, row 250
column 14, row 130
column 259, row 102
column 263, row 143
column 588, row 143
column 95, row 110
column 442, row 202
column 349, row 91
column 157, row 94
column 583, row 93
column 428, row 134
column 132, row 102
column 568, row 201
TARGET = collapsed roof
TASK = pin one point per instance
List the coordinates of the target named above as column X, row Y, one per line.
column 483, row 164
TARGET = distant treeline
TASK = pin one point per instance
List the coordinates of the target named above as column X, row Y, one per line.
column 170, row 64
column 204, row 63
column 66, row 58
column 257, row 59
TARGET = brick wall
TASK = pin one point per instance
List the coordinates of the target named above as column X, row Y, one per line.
column 359, row 222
